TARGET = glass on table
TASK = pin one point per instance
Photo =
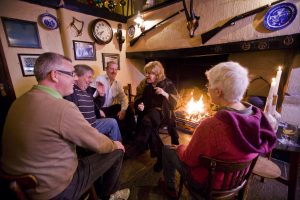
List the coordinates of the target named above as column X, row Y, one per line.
column 289, row 134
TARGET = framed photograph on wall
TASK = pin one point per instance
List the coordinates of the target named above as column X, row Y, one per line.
column 27, row 62
column 84, row 50
column 107, row 57
column 21, row 33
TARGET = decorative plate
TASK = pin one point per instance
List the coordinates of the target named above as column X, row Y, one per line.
column 280, row 16
column 48, row 21
column 131, row 31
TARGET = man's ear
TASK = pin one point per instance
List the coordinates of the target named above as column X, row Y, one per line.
column 53, row 76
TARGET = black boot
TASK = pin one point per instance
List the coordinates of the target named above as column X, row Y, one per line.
column 157, row 167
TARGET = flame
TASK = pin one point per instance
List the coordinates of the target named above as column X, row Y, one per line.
column 195, row 109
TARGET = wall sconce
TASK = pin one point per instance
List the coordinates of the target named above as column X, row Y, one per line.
column 140, row 21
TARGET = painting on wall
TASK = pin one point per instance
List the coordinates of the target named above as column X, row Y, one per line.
column 84, row 50
column 27, row 62
column 21, row 33
column 108, row 57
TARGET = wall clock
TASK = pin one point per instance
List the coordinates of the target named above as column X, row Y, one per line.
column 102, row 31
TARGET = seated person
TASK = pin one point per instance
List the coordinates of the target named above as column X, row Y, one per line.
column 237, row 132
column 42, row 131
column 83, row 98
column 155, row 103
column 116, row 102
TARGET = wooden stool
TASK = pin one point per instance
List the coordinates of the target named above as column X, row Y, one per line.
column 265, row 168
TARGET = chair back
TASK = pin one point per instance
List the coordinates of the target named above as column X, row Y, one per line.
column 235, row 176
column 18, row 184
column 128, row 92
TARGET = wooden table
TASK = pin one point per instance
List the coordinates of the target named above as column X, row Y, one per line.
column 294, row 157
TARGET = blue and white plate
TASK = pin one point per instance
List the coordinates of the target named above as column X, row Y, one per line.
column 48, row 21
column 280, row 16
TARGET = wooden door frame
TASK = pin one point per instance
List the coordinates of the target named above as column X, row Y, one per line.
column 6, row 76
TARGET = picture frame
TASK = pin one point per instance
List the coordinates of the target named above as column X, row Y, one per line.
column 21, row 33
column 84, row 50
column 27, row 62
column 107, row 57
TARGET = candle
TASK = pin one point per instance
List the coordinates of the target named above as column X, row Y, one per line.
column 272, row 88
column 278, row 76
column 270, row 96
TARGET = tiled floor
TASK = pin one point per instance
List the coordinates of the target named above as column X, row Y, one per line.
column 138, row 175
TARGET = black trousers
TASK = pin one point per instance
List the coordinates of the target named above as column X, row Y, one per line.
column 148, row 133
column 127, row 126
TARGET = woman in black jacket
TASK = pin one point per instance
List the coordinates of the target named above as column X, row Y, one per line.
column 154, row 103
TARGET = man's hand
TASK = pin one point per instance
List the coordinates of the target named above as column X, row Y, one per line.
column 121, row 114
column 119, row 145
column 102, row 114
column 100, row 88
column 160, row 91
column 141, row 106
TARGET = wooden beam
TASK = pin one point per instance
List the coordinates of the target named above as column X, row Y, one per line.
column 273, row 43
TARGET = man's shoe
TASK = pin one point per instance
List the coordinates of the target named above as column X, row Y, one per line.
column 120, row 194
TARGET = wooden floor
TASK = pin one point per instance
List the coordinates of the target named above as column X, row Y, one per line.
column 138, row 175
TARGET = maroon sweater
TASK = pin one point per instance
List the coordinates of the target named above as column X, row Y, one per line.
column 228, row 135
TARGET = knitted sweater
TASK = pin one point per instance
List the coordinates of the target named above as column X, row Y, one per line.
column 230, row 136
column 39, row 138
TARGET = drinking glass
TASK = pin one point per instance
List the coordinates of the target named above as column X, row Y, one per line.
column 289, row 134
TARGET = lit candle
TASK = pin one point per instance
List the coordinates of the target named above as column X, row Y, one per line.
column 270, row 96
column 278, row 76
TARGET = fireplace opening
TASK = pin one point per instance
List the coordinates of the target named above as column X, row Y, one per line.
column 188, row 74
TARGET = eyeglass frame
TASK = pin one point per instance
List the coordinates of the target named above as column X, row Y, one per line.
column 72, row 73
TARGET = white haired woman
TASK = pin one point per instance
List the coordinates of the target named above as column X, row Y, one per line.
column 237, row 132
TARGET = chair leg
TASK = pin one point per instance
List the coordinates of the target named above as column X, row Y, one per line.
column 243, row 193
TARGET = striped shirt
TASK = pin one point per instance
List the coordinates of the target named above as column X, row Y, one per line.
column 86, row 105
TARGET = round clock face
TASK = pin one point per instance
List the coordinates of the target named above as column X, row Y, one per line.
column 102, row 31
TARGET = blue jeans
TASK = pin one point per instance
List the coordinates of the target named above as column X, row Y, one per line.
column 109, row 127
column 171, row 163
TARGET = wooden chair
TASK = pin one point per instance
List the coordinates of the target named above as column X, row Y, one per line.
column 128, row 92
column 18, row 184
column 235, row 182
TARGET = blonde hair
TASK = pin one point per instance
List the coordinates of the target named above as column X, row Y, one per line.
column 156, row 68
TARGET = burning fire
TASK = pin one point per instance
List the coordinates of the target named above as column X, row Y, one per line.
column 195, row 109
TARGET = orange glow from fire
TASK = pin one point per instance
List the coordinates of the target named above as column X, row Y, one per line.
column 195, row 110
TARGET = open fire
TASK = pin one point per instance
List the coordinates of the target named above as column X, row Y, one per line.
column 192, row 111
column 195, row 110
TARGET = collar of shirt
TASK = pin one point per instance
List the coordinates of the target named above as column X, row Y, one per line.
column 48, row 90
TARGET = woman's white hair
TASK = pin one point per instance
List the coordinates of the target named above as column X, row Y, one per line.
column 229, row 77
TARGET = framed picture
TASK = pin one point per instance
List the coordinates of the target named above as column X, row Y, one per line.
column 21, row 33
column 107, row 57
column 27, row 62
column 84, row 50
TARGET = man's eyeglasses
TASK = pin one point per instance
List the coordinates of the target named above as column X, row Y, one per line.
column 72, row 74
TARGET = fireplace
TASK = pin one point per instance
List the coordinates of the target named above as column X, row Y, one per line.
column 188, row 74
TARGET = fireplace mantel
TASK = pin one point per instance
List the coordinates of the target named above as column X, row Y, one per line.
column 274, row 43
